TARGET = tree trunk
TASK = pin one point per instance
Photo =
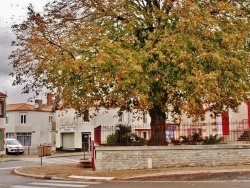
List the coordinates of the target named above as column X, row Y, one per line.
column 158, row 126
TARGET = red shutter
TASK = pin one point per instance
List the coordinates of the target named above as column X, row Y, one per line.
column 97, row 135
column 225, row 123
column 248, row 112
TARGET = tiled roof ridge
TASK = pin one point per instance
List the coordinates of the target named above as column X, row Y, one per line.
column 25, row 107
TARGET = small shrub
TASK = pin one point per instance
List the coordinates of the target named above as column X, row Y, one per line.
column 213, row 139
column 175, row 142
column 192, row 140
column 124, row 136
column 111, row 140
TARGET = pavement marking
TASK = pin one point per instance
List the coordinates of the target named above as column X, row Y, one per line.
column 52, row 160
column 7, row 168
column 57, row 184
column 24, row 186
column 92, row 177
column 73, row 182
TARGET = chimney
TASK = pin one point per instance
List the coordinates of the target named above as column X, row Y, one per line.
column 39, row 102
column 49, row 99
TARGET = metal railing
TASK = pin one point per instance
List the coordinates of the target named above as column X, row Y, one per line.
column 193, row 133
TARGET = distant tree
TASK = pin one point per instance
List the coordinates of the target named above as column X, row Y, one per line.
column 157, row 55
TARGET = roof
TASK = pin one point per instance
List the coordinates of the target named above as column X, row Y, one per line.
column 2, row 97
column 3, row 94
column 27, row 107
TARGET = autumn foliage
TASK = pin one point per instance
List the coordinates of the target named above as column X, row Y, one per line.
column 156, row 55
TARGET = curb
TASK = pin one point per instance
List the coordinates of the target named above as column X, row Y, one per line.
column 58, row 178
column 38, row 176
column 92, row 177
column 179, row 173
column 188, row 173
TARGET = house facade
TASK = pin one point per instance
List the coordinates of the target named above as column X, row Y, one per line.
column 76, row 133
column 32, row 125
column 230, row 125
column 2, row 121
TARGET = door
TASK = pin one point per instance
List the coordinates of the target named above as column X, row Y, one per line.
column 225, row 123
column 68, row 140
column 248, row 113
column 86, row 138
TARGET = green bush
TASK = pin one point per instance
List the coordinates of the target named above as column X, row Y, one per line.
column 213, row 139
column 123, row 136
column 111, row 139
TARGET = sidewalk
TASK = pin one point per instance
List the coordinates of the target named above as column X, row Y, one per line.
column 76, row 172
column 54, row 154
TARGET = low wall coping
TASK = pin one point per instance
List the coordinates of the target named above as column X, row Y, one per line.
column 177, row 147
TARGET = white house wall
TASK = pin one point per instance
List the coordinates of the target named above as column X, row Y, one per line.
column 37, row 124
column 242, row 114
column 66, row 121
column 236, row 120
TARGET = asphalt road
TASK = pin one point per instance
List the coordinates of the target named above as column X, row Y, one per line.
column 213, row 177
column 222, row 180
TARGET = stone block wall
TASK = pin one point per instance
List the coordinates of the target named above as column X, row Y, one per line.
column 143, row 157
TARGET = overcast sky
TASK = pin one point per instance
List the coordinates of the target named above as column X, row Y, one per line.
column 12, row 11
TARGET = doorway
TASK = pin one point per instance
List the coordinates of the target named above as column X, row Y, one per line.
column 86, row 140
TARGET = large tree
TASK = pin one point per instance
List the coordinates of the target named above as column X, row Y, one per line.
column 175, row 56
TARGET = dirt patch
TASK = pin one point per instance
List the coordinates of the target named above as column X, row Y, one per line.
column 66, row 170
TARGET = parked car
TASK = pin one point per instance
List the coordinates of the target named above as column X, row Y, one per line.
column 13, row 146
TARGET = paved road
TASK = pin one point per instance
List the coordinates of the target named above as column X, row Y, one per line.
column 124, row 184
column 57, row 160
column 208, row 177
column 9, row 180
column 56, row 184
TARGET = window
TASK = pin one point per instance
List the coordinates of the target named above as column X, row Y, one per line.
column 50, row 119
column 7, row 119
column 23, row 118
column 144, row 135
column 10, row 135
column 24, row 138
column 2, row 109
column 86, row 116
column 120, row 116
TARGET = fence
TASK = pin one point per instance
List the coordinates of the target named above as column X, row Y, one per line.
column 194, row 133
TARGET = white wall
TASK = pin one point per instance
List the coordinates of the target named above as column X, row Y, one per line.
column 233, row 116
column 37, row 124
column 240, row 115
column 101, row 117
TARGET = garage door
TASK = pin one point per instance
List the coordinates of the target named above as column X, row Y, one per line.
column 68, row 140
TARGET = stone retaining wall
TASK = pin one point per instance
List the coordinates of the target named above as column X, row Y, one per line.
column 142, row 157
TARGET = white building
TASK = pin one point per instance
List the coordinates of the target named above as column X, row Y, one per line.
column 32, row 125
column 2, row 121
column 76, row 133
column 228, row 124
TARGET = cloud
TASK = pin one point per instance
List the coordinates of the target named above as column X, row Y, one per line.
column 11, row 12
column 13, row 92
column 5, row 49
